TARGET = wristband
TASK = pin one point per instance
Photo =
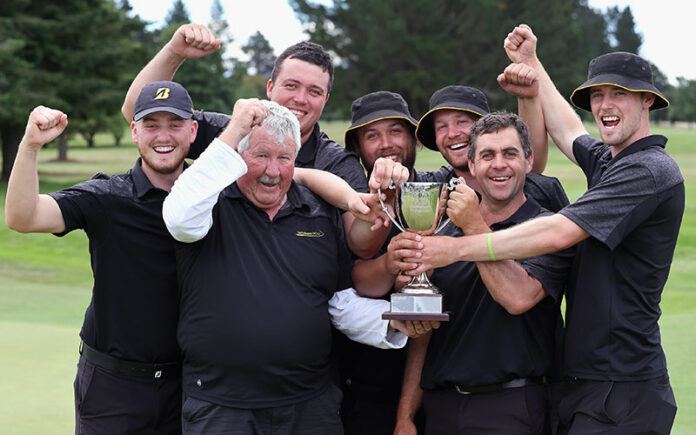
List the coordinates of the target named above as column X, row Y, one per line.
column 489, row 236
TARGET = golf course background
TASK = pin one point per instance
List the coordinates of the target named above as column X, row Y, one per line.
column 46, row 281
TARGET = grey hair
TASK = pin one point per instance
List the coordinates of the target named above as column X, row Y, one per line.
column 280, row 122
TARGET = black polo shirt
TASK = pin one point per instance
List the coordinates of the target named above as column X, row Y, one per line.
column 135, row 304
column 318, row 152
column 482, row 343
column 368, row 372
column 547, row 191
column 254, row 327
column 632, row 210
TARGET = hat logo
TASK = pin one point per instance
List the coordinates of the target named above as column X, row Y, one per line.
column 162, row 94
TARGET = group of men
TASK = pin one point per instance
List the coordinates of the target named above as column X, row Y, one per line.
column 225, row 285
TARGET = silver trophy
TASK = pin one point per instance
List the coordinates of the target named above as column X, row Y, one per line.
column 419, row 207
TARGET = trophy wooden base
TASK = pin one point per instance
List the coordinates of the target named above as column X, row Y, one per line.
column 440, row 317
column 416, row 306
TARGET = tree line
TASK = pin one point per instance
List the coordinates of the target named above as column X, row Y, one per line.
column 80, row 55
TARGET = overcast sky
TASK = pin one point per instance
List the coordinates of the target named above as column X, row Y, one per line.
column 664, row 25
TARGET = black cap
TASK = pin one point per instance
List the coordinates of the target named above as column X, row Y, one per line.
column 625, row 70
column 374, row 107
column 453, row 97
column 163, row 96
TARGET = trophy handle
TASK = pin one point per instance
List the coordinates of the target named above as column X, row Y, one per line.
column 450, row 186
column 384, row 206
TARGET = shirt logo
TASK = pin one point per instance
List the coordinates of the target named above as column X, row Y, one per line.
column 309, row 234
column 162, row 94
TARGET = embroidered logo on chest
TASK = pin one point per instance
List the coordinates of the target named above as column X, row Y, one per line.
column 309, row 234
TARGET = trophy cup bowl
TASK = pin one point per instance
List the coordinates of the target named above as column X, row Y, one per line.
column 419, row 207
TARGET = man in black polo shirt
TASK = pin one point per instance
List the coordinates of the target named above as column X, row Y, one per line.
column 626, row 227
column 301, row 81
column 261, row 262
column 129, row 372
column 445, row 128
column 382, row 128
column 484, row 369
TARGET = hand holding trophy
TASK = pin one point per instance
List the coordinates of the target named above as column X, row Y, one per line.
column 419, row 207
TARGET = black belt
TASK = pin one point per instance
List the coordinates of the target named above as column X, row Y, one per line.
column 515, row 383
column 130, row 368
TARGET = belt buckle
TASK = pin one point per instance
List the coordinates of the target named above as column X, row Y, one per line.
column 460, row 391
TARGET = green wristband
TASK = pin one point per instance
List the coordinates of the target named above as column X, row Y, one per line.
column 490, row 246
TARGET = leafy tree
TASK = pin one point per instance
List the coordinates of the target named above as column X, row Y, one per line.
column 625, row 34
column 116, row 125
column 206, row 79
column 252, row 86
column 125, row 6
column 261, row 56
column 178, row 14
column 70, row 55
column 684, row 101
column 662, row 83
column 419, row 46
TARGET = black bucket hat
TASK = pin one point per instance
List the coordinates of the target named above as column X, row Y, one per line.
column 454, row 97
column 625, row 70
column 374, row 107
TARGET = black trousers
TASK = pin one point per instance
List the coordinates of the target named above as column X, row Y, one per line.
column 316, row 416
column 108, row 403
column 597, row 407
column 522, row 410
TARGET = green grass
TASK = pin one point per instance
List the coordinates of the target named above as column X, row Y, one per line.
column 45, row 286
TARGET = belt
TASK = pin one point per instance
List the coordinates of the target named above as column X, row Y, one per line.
column 515, row 383
column 130, row 368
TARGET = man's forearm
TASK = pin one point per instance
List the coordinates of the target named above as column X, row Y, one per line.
column 332, row 188
column 530, row 110
column 561, row 121
column 510, row 285
column 25, row 209
column 411, row 392
column 364, row 242
column 371, row 277
column 162, row 67
column 538, row 236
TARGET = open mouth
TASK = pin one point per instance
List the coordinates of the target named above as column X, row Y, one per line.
column 163, row 149
column 298, row 113
column 392, row 157
column 459, row 146
column 500, row 179
column 610, row 121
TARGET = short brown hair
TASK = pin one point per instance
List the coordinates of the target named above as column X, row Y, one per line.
column 494, row 122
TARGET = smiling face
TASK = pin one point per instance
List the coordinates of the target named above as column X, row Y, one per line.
column 163, row 141
column 452, row 129
column 500, row 167
column 390, row 138
column 303, row 88
column 270, row 167
column 622, row 116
